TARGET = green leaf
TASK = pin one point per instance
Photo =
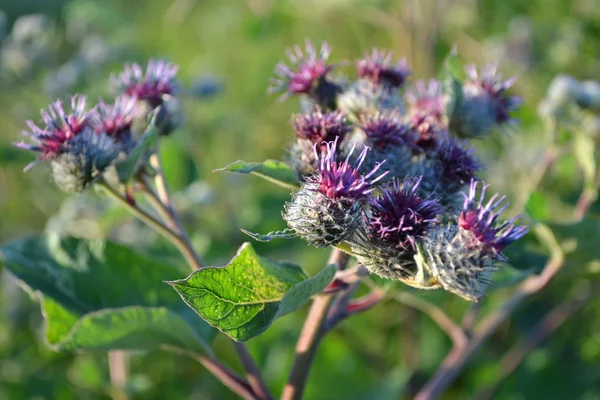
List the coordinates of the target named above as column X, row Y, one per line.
column 243, row 298
column 127, row 167
column 284, row 234
column 274, row 171
column 134, row 328
column 91, row 284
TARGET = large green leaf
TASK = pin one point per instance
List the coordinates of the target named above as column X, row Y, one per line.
column 98, row 294
column 274, row 171
column 243, row 298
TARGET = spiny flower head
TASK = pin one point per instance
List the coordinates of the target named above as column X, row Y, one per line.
column 398, row 215
column 338, row 180
column 488, row 81
column 428, row 130
column 386, row 128
column 306, row 69
column 159, row 80
column 377, row 67
column 479, row 220
column 318, row 127
column 114, row 119
column 427, row 98
column 58, row 127
column 458, row 163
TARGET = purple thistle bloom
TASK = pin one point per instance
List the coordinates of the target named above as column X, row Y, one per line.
column 480, row 220
column 488, row 81
column 318, row 127
column 159, row 80
column 378, row 68
column 459, row 165
column 59, row 127
column 306, row 69
column 386, row 128
column 427, row 98
column 114, row 119
column 338, row 180
column 398, row 215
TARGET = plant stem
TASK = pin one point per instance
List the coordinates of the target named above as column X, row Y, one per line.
column 228, row 377
column 117, row 367
column 161, row 201
column 253, row 372
column 452, row 329
column 310, row 337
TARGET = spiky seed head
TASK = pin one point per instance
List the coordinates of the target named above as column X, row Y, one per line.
column 365, row 97
column 394, row 222
column 327, row 208
column 377, row 67
column 83, row 159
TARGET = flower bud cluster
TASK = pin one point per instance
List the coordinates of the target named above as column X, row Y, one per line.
column 81, row 143
column 408, row 205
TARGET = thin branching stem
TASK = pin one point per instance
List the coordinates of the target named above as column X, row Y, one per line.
column 311, row 336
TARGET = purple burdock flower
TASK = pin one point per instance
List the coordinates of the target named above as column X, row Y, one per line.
column 307, row 71
column 386, row 128
column 426, row 114
column 490, row 82
column 480, row 221
column 158, row 81
column 398, row 215
column 458, row 165
column 76, row 150
column 427, row 98
column 58, row 127
column 115, row 119
column 327, row 208
column 463, row 257
column 343, row 180
column 318, row 127
column 377, row 67
column 395, row 221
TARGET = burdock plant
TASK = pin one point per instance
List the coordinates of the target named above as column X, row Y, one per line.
column 381, row 171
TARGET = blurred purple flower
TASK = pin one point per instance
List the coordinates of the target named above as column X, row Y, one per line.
column 377, row 67
column 159, row 80
column 459, row 165
column 114, row 119
column 488, row 81
column 386, row 128
column 306, row 69
column 319, row 127
column 58, row 127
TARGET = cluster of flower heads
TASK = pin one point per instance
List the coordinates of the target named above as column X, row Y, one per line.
column 82, row 143
column 408, row 204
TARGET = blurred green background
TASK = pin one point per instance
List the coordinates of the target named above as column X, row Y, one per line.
column 53, row 48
